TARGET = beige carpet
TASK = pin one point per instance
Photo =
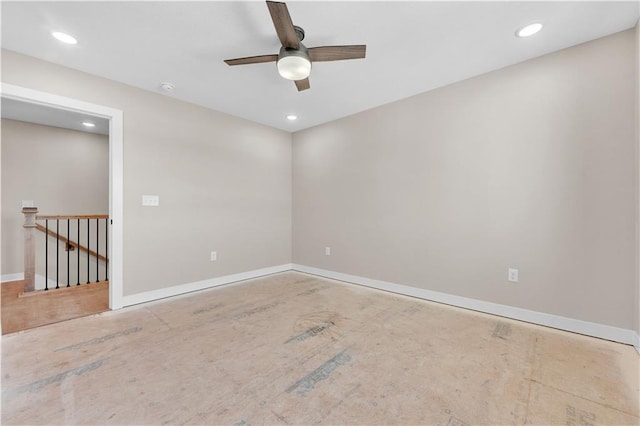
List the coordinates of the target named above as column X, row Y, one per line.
column 295, row 349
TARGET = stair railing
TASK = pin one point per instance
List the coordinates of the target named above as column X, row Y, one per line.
column 79, row 233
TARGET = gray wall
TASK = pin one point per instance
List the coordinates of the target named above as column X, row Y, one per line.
column 62, row 171
column 224, row 183
column 532, row 167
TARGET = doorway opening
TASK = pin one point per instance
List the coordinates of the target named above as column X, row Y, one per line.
column 112, row 119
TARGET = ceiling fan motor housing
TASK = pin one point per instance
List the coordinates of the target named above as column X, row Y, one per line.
column 299, row 32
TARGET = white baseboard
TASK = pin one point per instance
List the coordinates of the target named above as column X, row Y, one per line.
column 11, row 277
column 162, row 293
column 555, row 321
column 602, row 331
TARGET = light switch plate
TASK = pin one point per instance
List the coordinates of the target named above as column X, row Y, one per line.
column 150, row 200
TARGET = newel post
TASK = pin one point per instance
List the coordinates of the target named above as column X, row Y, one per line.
column 29, row 247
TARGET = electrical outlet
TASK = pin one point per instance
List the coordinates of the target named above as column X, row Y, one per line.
column 214, row 256
column 327, row 251
column 512, row 275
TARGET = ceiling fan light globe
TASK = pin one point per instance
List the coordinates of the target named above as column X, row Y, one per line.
column 294, row 67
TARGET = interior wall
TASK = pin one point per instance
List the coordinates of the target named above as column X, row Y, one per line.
column 63, row 171
column 224, row 183
column 637, row 115
column 529, row 167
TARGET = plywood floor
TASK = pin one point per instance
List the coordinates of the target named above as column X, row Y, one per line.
column 24, row 311
column 295, row 349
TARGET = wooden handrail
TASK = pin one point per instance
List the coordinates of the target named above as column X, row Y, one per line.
column 77, row 216
column 66, row 240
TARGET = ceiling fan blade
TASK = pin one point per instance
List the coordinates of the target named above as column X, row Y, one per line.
column 284, row 26
column 252, row 60
column 303, row 84
column 337, row 53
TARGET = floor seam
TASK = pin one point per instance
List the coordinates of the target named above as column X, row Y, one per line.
column 160, row 319
column 584, row 398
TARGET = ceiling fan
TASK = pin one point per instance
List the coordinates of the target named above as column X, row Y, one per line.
column 294, row 60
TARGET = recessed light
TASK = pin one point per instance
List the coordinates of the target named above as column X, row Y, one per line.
column 88, row 124
column 63, row 37
column 529, row 30
column 292, row 117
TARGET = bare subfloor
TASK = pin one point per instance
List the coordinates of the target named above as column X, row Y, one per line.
column 295, row 349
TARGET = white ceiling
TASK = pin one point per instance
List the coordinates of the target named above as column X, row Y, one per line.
column 412, row 47
column 50, row 116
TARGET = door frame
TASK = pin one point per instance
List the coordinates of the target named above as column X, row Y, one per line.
column 116, row 195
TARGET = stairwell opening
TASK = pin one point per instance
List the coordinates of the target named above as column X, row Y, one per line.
column 36, row 110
